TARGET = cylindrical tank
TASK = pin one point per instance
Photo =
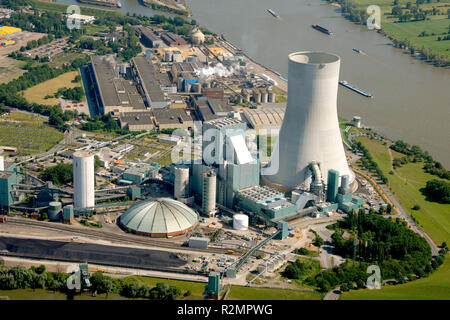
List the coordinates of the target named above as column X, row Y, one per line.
column 209, row 193
column 240, row 222
column 148, row 53
column 168, row 55
column 68, row 213
column 2, row 163
column 345, row 182
column 187, row 87
column 181, row 185
column 271, row 97
column 310, row 129
column 196, row 87
column 54, row 211
column 257, row 96
column 83, row 179
column 264, row 96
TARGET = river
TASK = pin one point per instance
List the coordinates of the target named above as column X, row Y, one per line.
column 411, row 99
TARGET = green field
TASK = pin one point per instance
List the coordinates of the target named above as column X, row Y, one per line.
column 247, row 293
column 406, row 184
column 434, row 287
column 410, row 30
column 28, row 133
column 42, row 294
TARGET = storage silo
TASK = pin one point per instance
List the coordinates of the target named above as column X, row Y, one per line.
column 209, row 193
column 257, row 96
column 168, row 55
column 310, row 129
column 68, row 214
column 54, row 211
column 83, row 179
column 196, row 87
column 2, row 163
column 181, row 185
column 264, row 96
column 271, row 96
column 240, row 222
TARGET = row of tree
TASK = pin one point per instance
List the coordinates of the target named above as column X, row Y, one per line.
column 367, row 161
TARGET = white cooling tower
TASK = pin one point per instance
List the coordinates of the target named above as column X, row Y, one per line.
column 83, row 179
column 310, row 129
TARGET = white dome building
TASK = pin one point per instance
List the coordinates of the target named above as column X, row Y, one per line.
column 162, row 217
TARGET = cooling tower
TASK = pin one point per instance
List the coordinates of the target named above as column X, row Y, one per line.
column 83, row 180
column 310, row 129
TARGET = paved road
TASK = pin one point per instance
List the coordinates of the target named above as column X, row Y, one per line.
column 328, row 260
column 333, row 295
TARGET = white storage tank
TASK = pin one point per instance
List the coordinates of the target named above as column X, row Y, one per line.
column 181, row 185
column 83, row 179
column 168, row 55
column 240, row 222
column 2, row 163
column 54, row 210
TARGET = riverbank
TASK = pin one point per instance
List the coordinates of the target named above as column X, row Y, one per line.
column 422, row 30
column 168, row 6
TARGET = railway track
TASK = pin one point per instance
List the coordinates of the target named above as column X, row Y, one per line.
column 129, row 239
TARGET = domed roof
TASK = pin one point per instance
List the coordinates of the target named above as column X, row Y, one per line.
column 197, row 35
column 159, row 217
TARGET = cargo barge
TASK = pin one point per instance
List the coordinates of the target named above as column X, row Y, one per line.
column 351, row 87
column 322, row 29
column 276, row 15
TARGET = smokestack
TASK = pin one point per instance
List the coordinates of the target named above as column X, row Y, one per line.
column 310, row 129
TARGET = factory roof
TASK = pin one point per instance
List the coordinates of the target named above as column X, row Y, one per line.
column 159, row 217
column 187, row 66
column 136, row 118
column 149, row 76
column 224, row 122
column 269, row 115
column 103, row 67
column 141, row 168
column 260, row 193
column 171, row 116
column 5, row 174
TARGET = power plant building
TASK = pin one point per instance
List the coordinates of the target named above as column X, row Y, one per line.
column 310, row 129
column 83, row 179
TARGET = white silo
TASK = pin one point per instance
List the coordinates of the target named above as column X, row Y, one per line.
column 240, row 222
column 181, row 185
column 209, row 193
column 310, row 129
column 2, row 163
column 264, row 96
column 83, row 179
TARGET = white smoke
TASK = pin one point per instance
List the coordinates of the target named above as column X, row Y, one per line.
column 219, row 70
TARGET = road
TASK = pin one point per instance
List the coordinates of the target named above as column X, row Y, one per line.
column 403, row 213
column 327, row 259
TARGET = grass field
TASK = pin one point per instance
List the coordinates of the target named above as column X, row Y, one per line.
column 28, row 133
column 37, row 93
column 65, row 57
column 247, row 293
column 10, row 69
column 41, row 294
column 410, row 30
column 432, row 216
column 434, row 287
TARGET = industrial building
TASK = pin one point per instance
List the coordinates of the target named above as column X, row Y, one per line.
column 310, row 129
column 112, row 92
column 148, row 80
column 161, row 217
column 270, row 115
column 212, row 108
column 140, row 172
column 149, row 38
column 172, row 39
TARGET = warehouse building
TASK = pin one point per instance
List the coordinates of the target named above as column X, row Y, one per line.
column 168, row 118
column 137, row 121
column 149, row 38
column 268, row 116
column 211, row 108
column 113, row 93
column 148, row 79
column 172, row 39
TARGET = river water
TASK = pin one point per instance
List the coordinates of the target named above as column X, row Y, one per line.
column 411, row 99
